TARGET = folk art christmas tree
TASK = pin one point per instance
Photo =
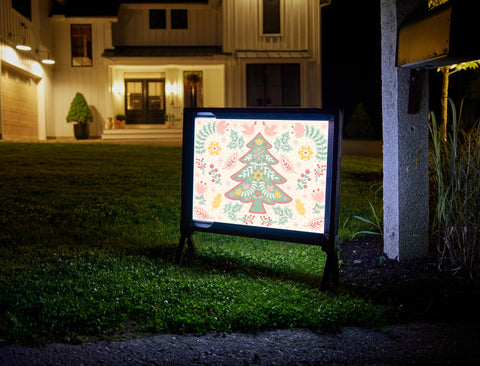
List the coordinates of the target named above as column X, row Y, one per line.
column 258, row 180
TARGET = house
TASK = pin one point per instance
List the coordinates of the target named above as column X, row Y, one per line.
column 147, row 60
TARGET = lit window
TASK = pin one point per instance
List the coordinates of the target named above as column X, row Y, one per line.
column 158, row 19
column 81, row 44
column 179, row 19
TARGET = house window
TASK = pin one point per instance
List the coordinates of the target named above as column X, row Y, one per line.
column 158, row 19
column 81, row 35
column 179, row 18
column 24, row 7
column 271, row 16
column 273, row 85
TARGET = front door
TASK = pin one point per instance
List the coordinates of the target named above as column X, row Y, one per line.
column 145, row 101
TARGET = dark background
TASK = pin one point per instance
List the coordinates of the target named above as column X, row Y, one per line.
column 352, row 72
column 351, row 58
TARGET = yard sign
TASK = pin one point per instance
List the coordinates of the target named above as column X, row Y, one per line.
column 267, row 173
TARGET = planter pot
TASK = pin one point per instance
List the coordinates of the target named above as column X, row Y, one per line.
column 81, row 131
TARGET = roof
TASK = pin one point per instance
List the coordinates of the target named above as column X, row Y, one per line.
column 168, row 51
column 85, row 8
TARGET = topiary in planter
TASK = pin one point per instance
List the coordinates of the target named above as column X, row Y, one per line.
column 81, row 115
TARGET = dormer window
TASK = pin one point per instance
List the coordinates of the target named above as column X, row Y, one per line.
column 178, row 19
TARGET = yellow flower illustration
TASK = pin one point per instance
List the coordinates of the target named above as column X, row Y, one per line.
column 216, row 201
column 259, row 141
column 214, row 148
column 258, row 175
column 278, row 194
column 238, row 192
column 305, row 153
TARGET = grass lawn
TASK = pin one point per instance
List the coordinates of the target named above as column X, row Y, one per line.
column 88, row 234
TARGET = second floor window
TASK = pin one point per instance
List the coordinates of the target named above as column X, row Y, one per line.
column 81, row 35
column 271, row 17
column 179, row 19
column 158, row 19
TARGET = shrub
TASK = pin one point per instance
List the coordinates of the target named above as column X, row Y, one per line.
column 79, row 110
column 360, row 124
column 455, row 185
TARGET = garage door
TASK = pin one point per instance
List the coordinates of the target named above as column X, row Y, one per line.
column 18, row 94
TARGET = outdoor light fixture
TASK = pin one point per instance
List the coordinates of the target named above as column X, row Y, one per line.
column 172, row 88
column 22, row 45
column 46, row 60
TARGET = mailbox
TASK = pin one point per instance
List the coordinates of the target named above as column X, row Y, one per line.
column 442, row 36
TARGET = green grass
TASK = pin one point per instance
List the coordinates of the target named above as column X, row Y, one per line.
column 88, row 234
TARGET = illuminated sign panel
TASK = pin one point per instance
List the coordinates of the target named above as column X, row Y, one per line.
column 268, row 173
column 264, row 173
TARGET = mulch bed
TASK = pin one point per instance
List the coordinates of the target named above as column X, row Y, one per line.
column 420, row 290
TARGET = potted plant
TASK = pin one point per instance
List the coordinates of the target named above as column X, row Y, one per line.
column 120, row 120
column 81, row 115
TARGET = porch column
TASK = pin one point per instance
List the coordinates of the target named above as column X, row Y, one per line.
column 405, row 184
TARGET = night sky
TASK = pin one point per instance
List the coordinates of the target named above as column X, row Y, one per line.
column 351, row 57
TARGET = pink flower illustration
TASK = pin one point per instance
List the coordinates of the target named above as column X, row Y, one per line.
column 298, row 130
column 318, row 195
column 222, row 127
column 201, row 187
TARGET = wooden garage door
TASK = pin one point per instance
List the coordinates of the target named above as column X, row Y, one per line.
column 19, row 105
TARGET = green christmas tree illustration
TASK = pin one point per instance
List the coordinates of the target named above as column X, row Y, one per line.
column 258, row 180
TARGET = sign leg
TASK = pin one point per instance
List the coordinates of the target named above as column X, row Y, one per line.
column 331, row 273
column 185, row 247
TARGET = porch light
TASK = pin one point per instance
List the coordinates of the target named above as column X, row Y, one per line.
column 171, row 89
column 118, row 88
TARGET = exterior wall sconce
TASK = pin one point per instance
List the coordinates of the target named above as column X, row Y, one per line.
column 172, row 89
column 46, row 60
column 22, row 45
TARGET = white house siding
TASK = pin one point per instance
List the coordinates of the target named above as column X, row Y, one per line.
column 91, row 81
column 299, row 42
column 28, row 63
column 242, row 26
column 132, row 29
